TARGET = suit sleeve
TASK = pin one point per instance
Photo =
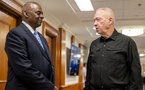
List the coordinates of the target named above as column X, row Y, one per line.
column 16, row 50
column 134, row 67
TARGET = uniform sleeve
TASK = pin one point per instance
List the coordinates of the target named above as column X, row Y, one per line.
column 134, row 67
column 16, row 50
column 88, row 76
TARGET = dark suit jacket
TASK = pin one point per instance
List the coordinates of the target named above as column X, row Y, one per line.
column 29, row 66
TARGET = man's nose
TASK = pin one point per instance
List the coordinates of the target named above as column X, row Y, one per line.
column 95, row 23
column 42, row 16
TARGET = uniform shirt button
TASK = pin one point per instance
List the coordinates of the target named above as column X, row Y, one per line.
column 104, row 45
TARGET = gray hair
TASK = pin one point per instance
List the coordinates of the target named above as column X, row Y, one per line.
column 109, row 12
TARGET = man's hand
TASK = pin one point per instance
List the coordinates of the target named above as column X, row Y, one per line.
column 55, row 88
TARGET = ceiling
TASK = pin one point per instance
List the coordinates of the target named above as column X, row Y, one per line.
column 66, row 14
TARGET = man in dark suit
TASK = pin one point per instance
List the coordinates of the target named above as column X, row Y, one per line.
column 29, row 62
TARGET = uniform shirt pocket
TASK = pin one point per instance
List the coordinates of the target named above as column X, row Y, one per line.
column 115, row 54
column 95, row 54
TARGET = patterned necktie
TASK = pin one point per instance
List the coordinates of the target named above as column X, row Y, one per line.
column 38, row 38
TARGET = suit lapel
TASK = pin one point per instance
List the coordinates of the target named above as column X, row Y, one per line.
column 34, row 39
column 46, row 48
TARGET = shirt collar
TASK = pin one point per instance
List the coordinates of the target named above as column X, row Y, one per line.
column 112, row 37
column 29, row 27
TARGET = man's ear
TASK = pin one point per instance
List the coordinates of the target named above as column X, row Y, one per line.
column 26, row 14
column 110, row 21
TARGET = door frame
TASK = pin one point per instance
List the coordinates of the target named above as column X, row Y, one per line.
column 48, row 30
column 11, row 7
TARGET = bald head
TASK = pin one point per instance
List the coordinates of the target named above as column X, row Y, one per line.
column 27, row 6
column 32, row 14
column 107, row 12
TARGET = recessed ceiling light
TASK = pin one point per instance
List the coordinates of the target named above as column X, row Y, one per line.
column 97, row 34
column 84, row 5
column 94, row 28
column 132, row 32
column 141, row 55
